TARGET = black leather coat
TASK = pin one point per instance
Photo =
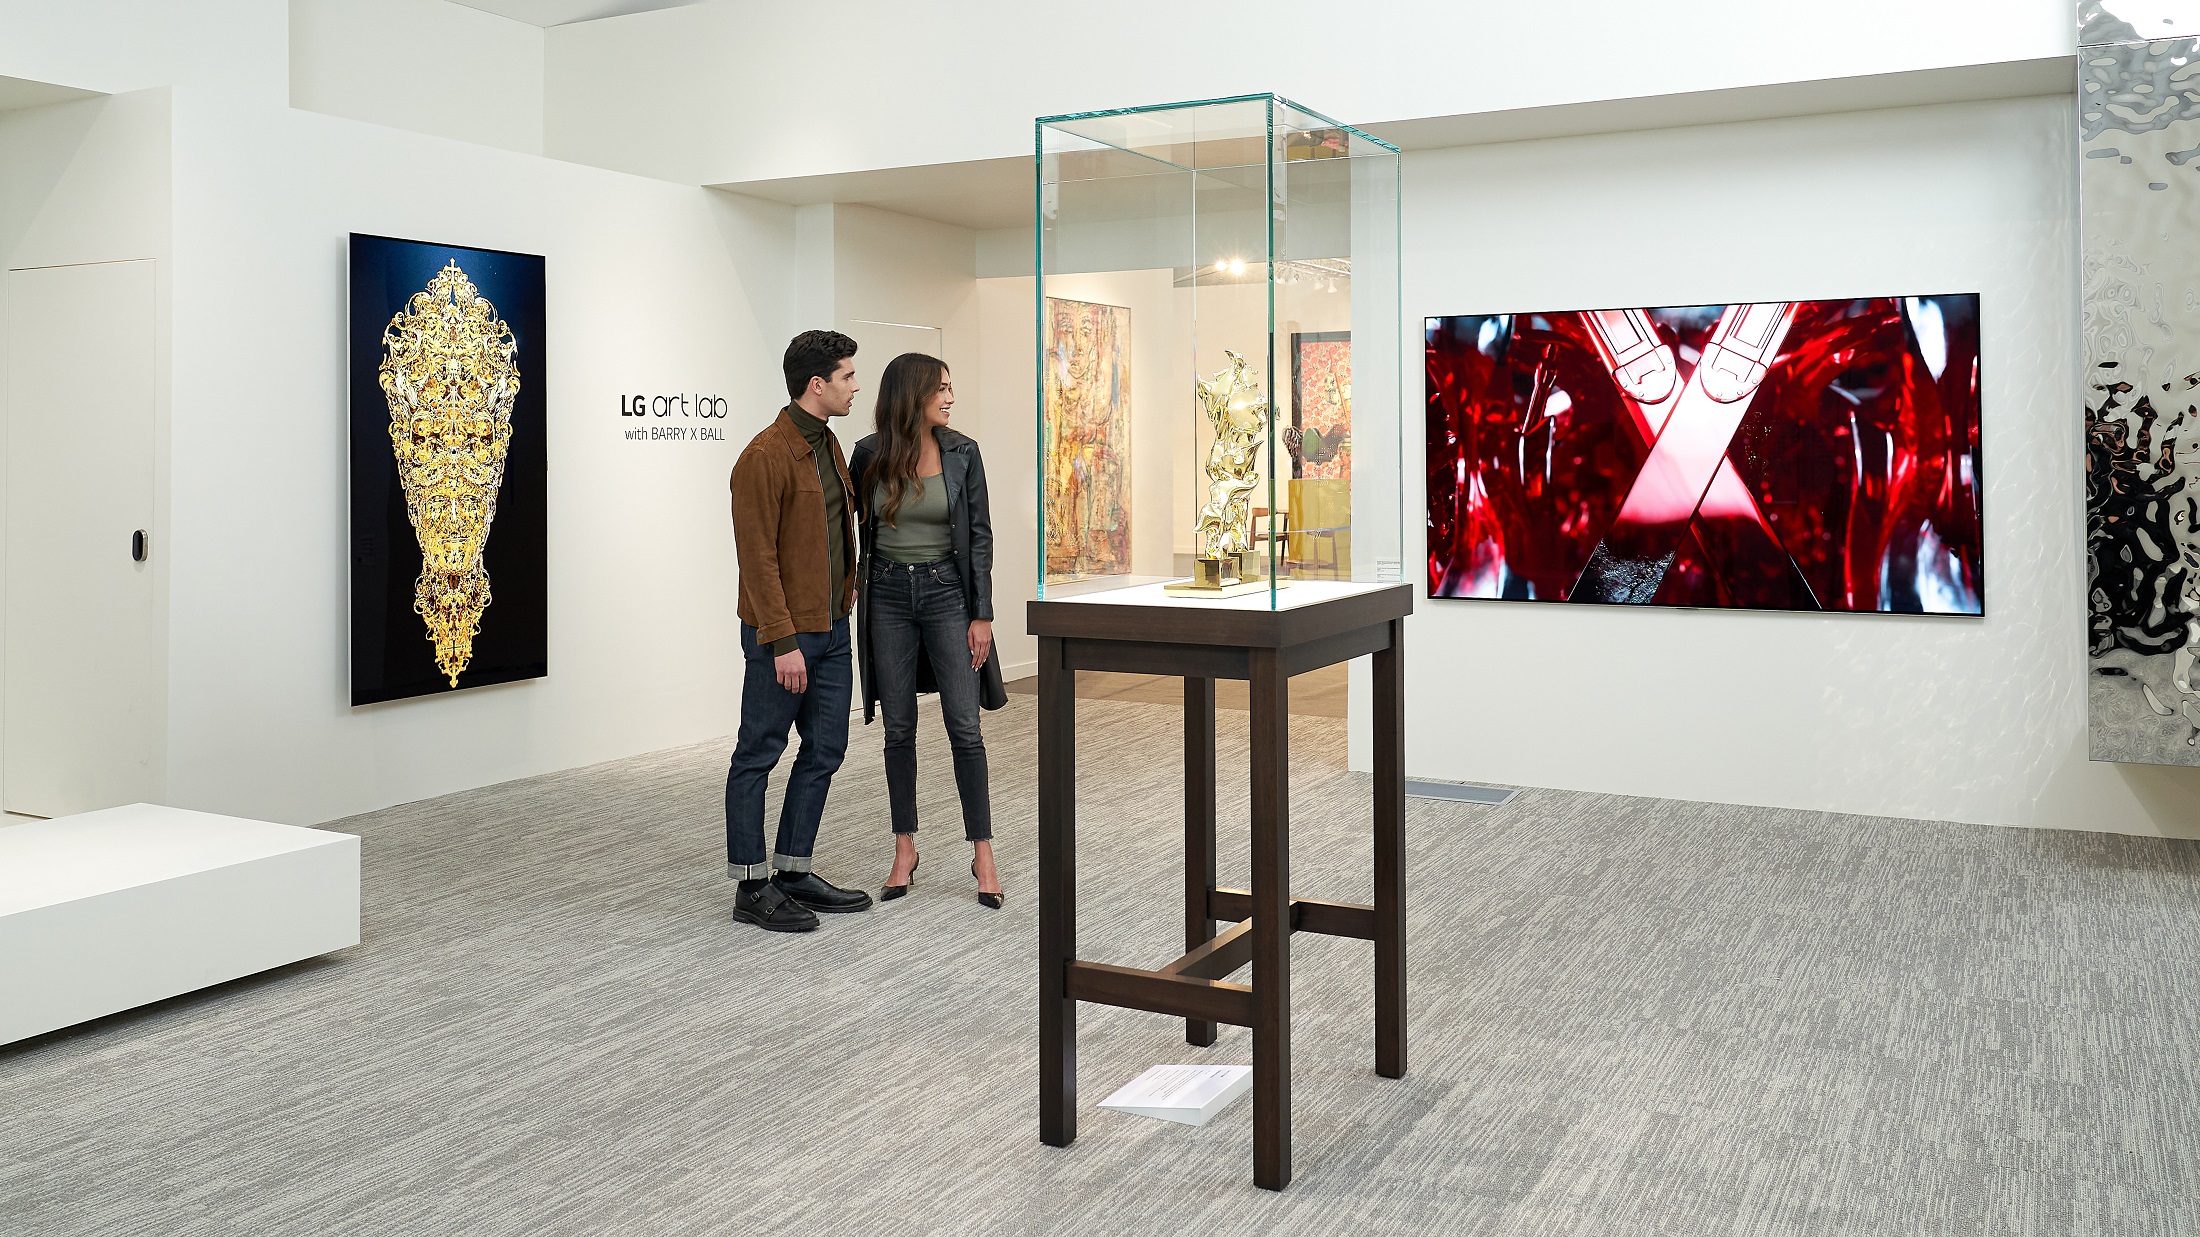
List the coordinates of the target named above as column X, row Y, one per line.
column 970, row 526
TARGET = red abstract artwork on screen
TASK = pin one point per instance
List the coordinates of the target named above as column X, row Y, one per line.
column 1787, row 455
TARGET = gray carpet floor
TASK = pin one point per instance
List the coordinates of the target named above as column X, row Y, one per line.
column 1628, row 1016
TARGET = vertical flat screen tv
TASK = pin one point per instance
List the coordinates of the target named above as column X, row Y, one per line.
column 448, row 469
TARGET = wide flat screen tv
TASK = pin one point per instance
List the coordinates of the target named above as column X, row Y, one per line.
column 1784, row 455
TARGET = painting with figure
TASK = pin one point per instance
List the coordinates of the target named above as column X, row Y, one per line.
column 2139, row 213
column 1320, row 437
column 1783, row 455
column 1087, row 449
column 448, row 469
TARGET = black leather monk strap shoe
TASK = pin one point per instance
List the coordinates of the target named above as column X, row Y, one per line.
column 819, row 894
column 771, row 909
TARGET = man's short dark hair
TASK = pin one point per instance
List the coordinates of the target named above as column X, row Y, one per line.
column 814, row 354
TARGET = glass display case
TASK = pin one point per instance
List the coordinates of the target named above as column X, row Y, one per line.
column 1219, row 371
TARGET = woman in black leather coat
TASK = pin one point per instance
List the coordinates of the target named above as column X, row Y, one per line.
column 924, row 615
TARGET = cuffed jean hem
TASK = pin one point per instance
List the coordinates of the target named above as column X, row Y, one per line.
column 748, row 871
column 767, row 710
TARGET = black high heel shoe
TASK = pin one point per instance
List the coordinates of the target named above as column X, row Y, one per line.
column 887, row 893
column 989, row 900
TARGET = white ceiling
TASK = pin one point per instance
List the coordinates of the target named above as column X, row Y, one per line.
column 566, row 12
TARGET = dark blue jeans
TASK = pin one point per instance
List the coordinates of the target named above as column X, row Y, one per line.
column 917, row 612
column 767, row 709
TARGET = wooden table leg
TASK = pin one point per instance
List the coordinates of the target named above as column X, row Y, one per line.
column 1199, row 830
column 1057, row 894
column 1271, row 921
column 1390, row 855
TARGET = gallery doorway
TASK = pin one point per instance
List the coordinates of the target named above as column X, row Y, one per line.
column 80, row 688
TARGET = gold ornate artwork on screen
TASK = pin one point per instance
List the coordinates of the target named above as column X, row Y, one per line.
column 1237, row 413
column 1088, row 440
column 450, row 372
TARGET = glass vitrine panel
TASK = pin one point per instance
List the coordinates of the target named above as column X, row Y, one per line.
column 1218, row 323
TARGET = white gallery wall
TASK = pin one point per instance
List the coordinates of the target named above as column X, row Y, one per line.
column 653, row 289
column 1957, row 719
column 86, row 181
column 238, row 47
column 430, row 66
column 737, row 90
column 888, row 269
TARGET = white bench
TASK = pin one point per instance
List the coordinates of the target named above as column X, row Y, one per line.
column 111, row 910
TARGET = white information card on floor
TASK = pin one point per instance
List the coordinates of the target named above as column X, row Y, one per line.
column 1186, row 1094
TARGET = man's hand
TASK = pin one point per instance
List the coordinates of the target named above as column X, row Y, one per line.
column 981, row 641
column 793, row 671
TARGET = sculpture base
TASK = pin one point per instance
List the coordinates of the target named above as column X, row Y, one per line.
column 1235, row 588
column 1218, row 577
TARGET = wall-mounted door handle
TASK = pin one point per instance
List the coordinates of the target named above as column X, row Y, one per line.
column 140, row 547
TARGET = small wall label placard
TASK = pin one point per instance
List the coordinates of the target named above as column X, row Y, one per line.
column 674, row 418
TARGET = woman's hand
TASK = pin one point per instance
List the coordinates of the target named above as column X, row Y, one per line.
column 981, row 642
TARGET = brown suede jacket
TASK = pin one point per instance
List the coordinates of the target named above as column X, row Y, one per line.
column 779, row 535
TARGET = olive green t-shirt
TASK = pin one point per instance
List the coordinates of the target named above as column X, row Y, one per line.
column 919, row 533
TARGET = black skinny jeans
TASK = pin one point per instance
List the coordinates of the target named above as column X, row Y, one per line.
column 917, row 611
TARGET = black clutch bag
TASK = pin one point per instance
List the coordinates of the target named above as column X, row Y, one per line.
column 992, row 693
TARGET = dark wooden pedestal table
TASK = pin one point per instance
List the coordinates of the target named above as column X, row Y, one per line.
column 1201, row 643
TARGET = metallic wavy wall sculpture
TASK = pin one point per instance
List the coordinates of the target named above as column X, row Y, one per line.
column 450, row 371
column 2139, row 207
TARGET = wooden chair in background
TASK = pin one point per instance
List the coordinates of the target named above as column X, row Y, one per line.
column 1278, row 530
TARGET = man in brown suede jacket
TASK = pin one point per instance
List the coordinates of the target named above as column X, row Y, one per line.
column 793, row 532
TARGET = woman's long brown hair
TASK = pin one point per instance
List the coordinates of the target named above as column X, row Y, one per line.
column 904, row 390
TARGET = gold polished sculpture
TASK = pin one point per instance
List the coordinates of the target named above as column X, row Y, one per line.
column 1238, row 414
column 450, row 371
